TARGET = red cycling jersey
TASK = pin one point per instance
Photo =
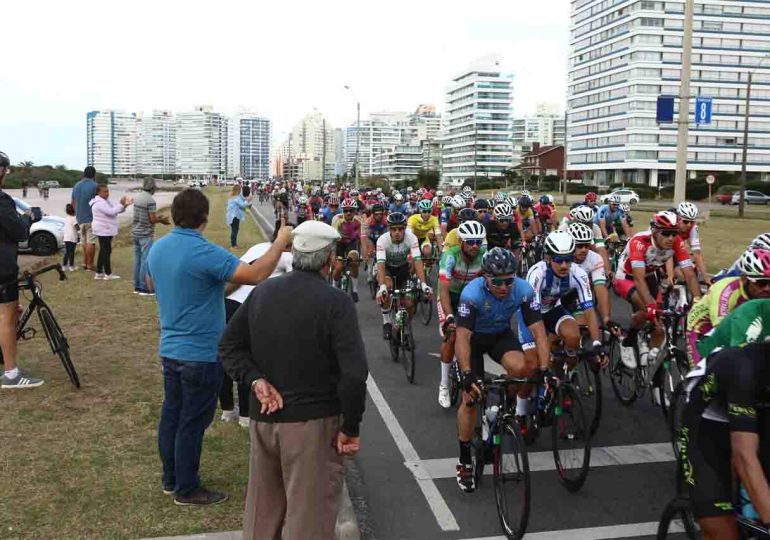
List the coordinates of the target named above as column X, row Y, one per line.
column 641, row 251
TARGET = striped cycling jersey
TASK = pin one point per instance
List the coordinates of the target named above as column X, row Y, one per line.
column 455, row 270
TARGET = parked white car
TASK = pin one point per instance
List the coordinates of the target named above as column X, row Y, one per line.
column 627, row 196
column 46, row 237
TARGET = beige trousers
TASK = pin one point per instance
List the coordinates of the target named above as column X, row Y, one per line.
column 295, row 481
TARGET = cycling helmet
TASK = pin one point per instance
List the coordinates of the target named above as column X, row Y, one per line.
column 687, row 210
column 467, row 189
column 378, row 208
column 665, row 221
column 5, row 161
column 762, row 241
column 409, row 189
column 396, row 218
column 544, row 199
column 613, row 198
column 525, row 201
column 458, row 202
column 513, row 201
column 446, row 200
column 590, row 196
column 582, row 213
column 581, row 233
column 471, row 230
column 303, row 200
column 426, row 195
column 333, row 201
column 755, row 262
column 503, row 211
column 348, row 203
column 626, row 209
column 500, row 197
column 425, row 205
column 559, row 243
column 354, row 193
column 467, row 214
column 481, row 204
column 550, row 198
column 439, row 193
column 498, row 262
column 466, row 195
column 398, row 197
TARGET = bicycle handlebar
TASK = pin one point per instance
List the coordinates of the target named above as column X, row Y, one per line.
column 27, row 275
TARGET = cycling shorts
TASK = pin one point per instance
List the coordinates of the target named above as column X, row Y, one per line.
column 455, row 301
column 9, row 293
column 625, row 288
column 344, row 249
column 399, row 274
column 495, row 345
column 553, row 318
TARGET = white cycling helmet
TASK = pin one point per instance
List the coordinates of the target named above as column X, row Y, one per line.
column 439, row 193
column 503, row 211
column 398, row 197
column 613, row 198
column 583, row 234
column 626, row 209
column 755, row 262
column 687, row 210
column 446, row 200
column 409, row 189
column 471, row 230
column 303, row 200
column 500, row 196
column 458, row 202
column 513, row 201
column 762, row 241
column 582, row 213
column 467, row 189
column 559, row 243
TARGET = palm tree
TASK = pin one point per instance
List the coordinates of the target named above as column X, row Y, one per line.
column 61, row 167
column 26, row 164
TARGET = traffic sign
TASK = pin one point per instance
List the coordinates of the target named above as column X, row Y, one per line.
column 664, row 112
column 710, row 179
column 703, row 106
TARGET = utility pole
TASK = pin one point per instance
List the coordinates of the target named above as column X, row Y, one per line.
column 744, row 160
column 358, row 136
column 680, row 181
column 323, row 154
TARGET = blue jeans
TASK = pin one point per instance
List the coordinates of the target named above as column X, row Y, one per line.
column 141, row 249
column 191, row 390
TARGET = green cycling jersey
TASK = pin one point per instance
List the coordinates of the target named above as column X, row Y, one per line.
column 749, row 323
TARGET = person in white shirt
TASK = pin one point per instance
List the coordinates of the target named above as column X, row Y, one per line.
column 70, row 239
column 234, row 296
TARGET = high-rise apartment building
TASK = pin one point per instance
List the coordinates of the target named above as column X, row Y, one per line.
column 479, row 105
column 156, row 143
column 310, row 154
column 111, row 142
column 400, row 163
column 546, row 128
column 381, row 131
column 201, row 143
column 624, row 54
column 248, row 143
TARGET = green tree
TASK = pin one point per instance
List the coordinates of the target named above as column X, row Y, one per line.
column 26, row 164
column 428, row 178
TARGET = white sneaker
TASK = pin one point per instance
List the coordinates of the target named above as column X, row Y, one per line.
column 627, row 357
column 111, row 276
column 74, row 268
column 443, row 396
column 243, row 421
column 229, row 416
column 100, row 276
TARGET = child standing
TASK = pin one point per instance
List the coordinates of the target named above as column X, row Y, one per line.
column 70, row 239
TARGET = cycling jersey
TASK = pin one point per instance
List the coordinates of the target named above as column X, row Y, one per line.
column 350, row 231
column 526, row 216
column 328, row 214
column 641, row 252
column 691, row 237
column 750, row 323
column 392, row 254
column 453, row 240
column 402, row 208
column 593, row 265
column 549, row 288
column 720, row 300
column 598, row 236
column 374, row 229
column 456, row 271
column 501, row 237
column 304, row 212
column 449, row 218
column 421, row 228
column 481, row 312
column 545, row 211
column 610, row 218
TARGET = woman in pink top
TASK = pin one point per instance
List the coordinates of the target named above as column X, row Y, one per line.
column 105, row 227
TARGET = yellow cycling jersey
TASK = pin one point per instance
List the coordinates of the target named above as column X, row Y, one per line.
column 421, row 228
column 453, row 239
column 527, row 214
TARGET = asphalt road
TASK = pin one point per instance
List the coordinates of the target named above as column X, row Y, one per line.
column 402, row 482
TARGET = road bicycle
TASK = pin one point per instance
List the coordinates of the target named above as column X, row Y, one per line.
column 53, row 332
column 346, row 280
column 614, row 250
column 402, row 339
column 585, row 377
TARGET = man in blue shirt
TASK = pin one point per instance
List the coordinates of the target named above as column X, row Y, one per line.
column 82, row 193
column 189, row 274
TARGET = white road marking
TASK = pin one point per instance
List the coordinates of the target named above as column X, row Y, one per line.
column 628, row 530
column 603, row 456
column 438, row 505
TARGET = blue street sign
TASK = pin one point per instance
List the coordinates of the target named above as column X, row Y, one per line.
column 703, row 106
column 665, row 109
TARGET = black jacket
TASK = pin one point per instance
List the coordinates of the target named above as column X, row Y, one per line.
column 302, row 336
column 13, row 229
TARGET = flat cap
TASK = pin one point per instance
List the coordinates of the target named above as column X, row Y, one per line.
column 312, row 236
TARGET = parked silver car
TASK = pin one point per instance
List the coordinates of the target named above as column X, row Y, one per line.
column 752, row 197
column 46, row 237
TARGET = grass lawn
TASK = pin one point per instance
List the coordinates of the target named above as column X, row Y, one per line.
column 84, row 464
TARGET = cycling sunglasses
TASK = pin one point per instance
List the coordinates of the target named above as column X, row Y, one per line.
column 502, row 282
column 347, row 211
column 584, row 245
column 482, row 211
column 504, row 220
column 762, row 283
column 561, row 259
column 473, row 242
column 396, row 228
column 669, row 234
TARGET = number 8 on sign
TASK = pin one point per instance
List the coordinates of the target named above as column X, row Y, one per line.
column 703, row 110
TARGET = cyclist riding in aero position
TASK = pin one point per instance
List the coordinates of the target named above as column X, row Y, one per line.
column 484, row 314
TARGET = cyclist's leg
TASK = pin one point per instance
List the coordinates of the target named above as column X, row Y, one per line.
column 509, row 353
column 8, row 318
column 466, row 414
column 339, row 262
column 353, row 259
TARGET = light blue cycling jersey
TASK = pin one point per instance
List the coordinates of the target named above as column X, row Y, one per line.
column 481, row 312
column 608, row 215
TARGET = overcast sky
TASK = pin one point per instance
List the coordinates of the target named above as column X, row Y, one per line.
column 281, row 58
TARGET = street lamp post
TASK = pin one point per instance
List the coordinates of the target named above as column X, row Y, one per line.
column 358, row 128
column 745, row 156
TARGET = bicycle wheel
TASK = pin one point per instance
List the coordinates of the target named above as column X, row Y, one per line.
column 58, row 342
column 623, row 379
column 373, row 289
column 407, row 349
column 394, row 341
column 675, row 414
column 510, row 474
column 675, row 370
column 454, row 384
column 679, row 508
column 425, row 306
column 571, row 438
column 588, row 384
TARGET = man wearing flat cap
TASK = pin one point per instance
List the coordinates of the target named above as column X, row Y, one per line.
column 296, row 342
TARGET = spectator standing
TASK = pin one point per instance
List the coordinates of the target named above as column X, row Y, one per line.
column 235, row 297
column 105, row 228
column 13, row 229
column 301, row 383
column 240, row 200
column 70, row 238
column 83, row 193
column 142, row 233
column 188, row 274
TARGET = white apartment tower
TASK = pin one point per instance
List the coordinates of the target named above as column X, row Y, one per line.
column 383, row 130
column 479, row 105
column 248, row 143
column 624, row 54
column 201, row 143
column 111, row 142
column 310, row 151
column 156, row 143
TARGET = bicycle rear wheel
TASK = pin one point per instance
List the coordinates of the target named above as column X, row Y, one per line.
column 623, row 379
column 571, row 438
column 675, row 414
column 678, row 508
column 425, row 307
column 588, row 384
column 675, row 370
column 510, row 474
column 394, row 341
column 407, row 349
column 58, row 342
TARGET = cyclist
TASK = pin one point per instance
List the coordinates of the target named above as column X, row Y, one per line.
column 637, row 279
column 484, row 210
column 762, row 241
column 505, row 229
column 688, row 212
column 552, row 279
column 487, row 305
column 453, row 238
column 529, row 224
column 608, row 215
column 546, row 213
column 589, row 200
column 398, row 205
column 593, row 265
column 304, row 210
column 426, row 228
column 449, row 217
column 583, row 214
column 349, row 227
column 459, row 266
column 331, row 209
column 726, row 419
column 394, row 248
column 374, row 227
column 726, row 295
